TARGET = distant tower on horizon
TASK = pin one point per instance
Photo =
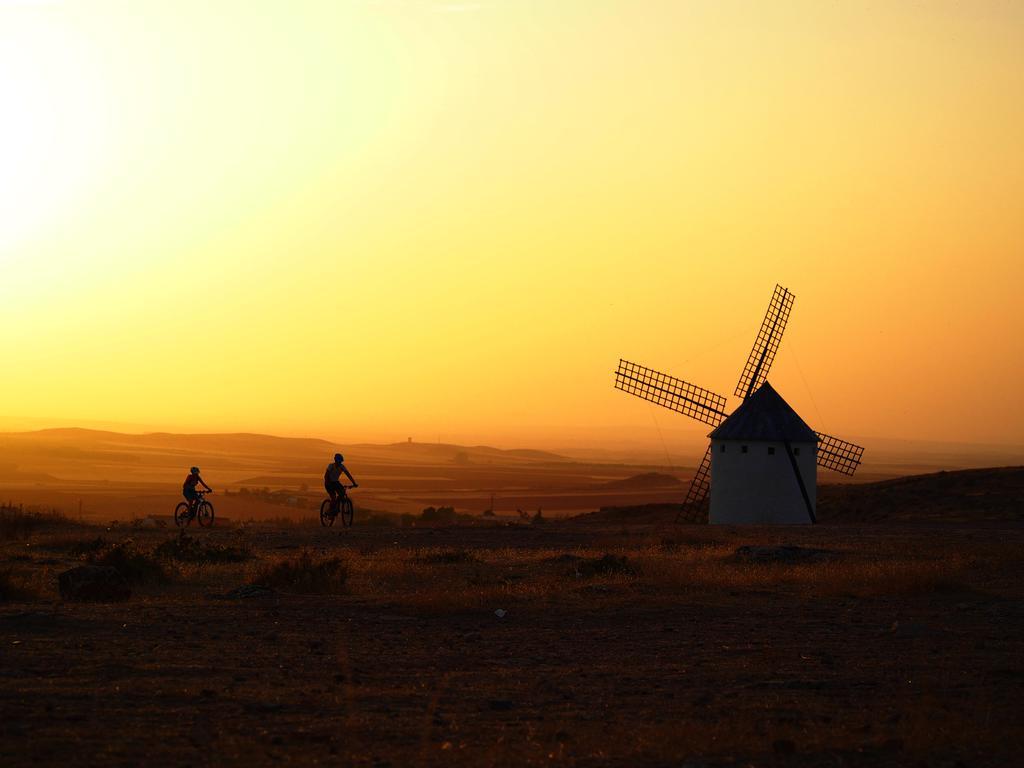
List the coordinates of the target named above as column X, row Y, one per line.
column 763, row 458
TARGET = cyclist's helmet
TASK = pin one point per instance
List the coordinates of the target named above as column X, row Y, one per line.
column 194, row 470
column 339, row 458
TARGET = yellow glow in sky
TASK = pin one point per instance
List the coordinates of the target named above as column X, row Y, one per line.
column 368, row 220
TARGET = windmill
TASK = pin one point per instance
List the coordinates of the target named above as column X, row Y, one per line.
column 759, row 485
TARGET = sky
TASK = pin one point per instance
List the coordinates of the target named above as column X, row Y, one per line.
column 368, row 220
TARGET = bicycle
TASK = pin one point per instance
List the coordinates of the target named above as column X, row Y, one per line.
column 330, row 510
column 200, row 508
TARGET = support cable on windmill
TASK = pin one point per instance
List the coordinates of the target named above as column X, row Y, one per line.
column 761, row 463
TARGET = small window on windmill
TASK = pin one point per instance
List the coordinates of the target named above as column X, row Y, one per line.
column 723, row 448
column 743, row 449
column 771, row 450
column 796, row 451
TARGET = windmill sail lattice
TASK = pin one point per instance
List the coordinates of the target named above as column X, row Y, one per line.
column 838, row 455
column 693, row 505
column 709, row 408
column 755, row 372
column 669, row 392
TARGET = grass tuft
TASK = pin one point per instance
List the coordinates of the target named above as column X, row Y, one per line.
column 12, row 588
column 135, row 564
column 305, row 573
column 18, row 522
column 87, row 547
column 606, row 565
column 449, row 557
column 188, row 549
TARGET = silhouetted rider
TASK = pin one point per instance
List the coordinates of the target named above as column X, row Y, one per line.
column 332, row 479
column 188, row 488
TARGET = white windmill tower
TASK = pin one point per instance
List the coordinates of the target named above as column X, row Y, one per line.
column 761, row 465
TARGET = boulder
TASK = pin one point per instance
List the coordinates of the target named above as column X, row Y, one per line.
column 93, row 583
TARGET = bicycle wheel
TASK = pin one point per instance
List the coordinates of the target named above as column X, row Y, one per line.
column 181, row 517
column 206, row 514
column 347, row 511
column 326, row 518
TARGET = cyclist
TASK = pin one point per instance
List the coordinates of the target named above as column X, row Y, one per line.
column 188, row 488
column 332, row 480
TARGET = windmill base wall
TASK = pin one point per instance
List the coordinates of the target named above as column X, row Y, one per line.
column 760, row 487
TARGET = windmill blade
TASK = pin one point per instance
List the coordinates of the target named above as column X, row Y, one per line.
column 692, row 511
column 838, row 455
column 672, row 393
column 767, row 343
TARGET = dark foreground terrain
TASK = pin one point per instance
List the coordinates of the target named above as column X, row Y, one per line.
column 895, row 644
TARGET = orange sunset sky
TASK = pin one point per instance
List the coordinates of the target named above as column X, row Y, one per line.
column 372, row 220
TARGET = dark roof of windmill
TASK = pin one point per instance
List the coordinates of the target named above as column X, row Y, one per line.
column 765, row 416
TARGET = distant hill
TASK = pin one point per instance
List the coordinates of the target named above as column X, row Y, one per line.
column 54, row 455
column 964, row 496
column 458, row 453
column 644, row 481
column 971, row 495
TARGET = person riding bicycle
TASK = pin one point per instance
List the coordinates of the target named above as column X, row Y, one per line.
column 188, row 488
column 332, row 480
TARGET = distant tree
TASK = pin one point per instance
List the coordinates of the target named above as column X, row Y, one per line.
column 439, row 515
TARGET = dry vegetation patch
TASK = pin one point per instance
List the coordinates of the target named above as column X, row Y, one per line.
column 14, row 587
column 137, row 564
column 448, row 556
column 306, row 573
column 719, row 568
column 18, row 522
column 190, row 549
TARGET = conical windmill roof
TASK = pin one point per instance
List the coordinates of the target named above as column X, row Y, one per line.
column 765, row 416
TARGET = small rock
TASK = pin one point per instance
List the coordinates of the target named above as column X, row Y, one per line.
column 247, row 591
column 500, row 613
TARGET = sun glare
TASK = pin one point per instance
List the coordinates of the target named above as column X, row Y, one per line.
column 54, row 125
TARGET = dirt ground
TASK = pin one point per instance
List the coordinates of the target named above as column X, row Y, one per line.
column 895, row 645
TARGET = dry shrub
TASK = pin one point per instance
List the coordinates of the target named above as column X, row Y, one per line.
column 448, row 556
column 188, row 549
column 134, row 563
column 82, row 547
column 18, row 522
column 305, row 573
column 12, row 588
column 606, row 565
